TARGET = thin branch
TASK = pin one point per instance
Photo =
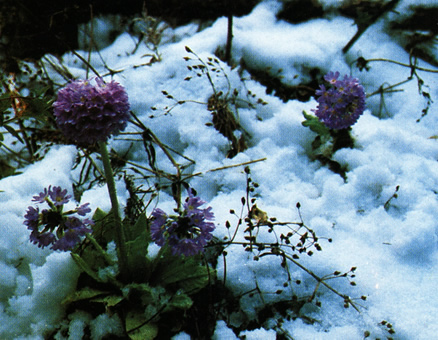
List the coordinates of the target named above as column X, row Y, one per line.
column 86, row 63
column 362, row 27
column 317, row 278
column 402, row 64
column 226, row 167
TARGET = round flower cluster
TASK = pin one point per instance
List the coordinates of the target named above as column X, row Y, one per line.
column 53, row 226
column 186, row 234
column 342, row 103
column 88, row 113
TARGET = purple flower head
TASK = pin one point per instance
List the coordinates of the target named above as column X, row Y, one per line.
column 54, row 227
column 74, row 228
column 88, row 113
column 58, row 196
column 341, row 105
column 186, row 234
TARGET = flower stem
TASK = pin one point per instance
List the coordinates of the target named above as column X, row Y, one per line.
column 120, row 234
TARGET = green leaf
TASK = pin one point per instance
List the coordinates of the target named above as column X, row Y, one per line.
column 41, row 91
column 138, row 328
column 182, row 272
column 37, row 109
column 5, row 169
column 83, row 294
column 180, row 300
column 5, row 104
column 109, row 300
column 136, row 247
column 138, row 237
column 85, row 266
column 141, row 225
column 104, row 226
column 138, row 264
column 13, row 132
column 141, row 287
column 315, row 125
column 144, row 290
column 91, row 257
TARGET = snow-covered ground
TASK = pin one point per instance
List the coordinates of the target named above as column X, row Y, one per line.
column 394, row 247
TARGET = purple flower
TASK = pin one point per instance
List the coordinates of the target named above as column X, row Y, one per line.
column 54, row 227
column 58, row 196
column 74, row 228
column 158, row 226
column 341, row 105
column 208, row 214
column 31, row 217
column 88, row 113
column 192, row 203
column 186, row 234
column 331, row 77
column 83, row 209
column 42, row 239
column 41, row 198
column 186, row 247
column 67, row 241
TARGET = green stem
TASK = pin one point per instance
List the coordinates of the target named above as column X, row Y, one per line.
column 229, row 39
column 120, row 234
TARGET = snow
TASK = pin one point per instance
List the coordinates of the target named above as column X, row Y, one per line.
column 393, row 248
